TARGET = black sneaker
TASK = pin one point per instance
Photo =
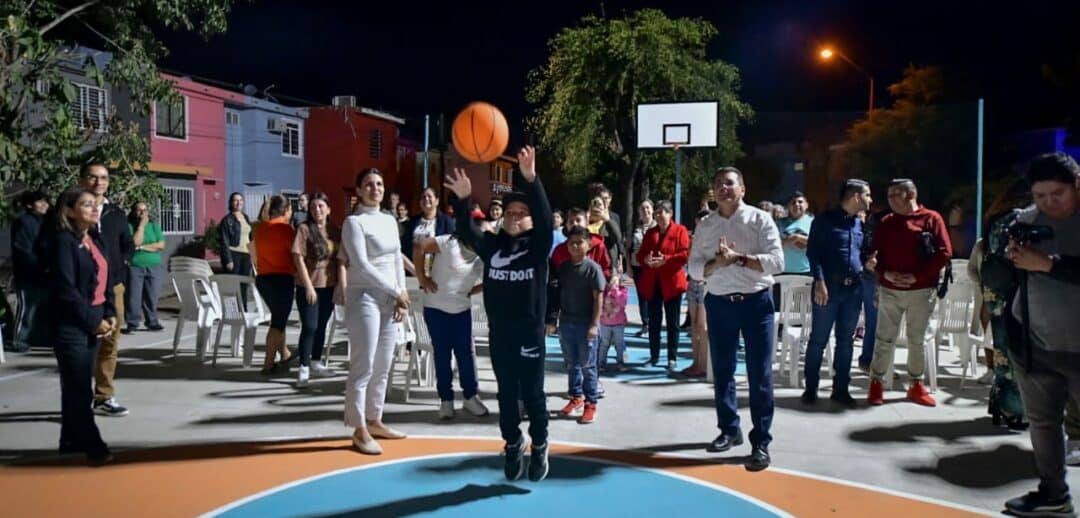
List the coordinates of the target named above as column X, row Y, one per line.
column 155, row 327
column 538, row 464
column 1037, row 503
column 843, row 398
column 809, row 396
column 515, row 460
column 128, row 330
column 110, row 408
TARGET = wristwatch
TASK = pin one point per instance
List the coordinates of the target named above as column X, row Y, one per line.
column 741, row 261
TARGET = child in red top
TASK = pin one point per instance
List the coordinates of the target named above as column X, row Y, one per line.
column 613, row 322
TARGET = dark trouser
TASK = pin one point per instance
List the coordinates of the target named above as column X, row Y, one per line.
column 76, row 352
column 27, row 325
column 241, row 266
column 1045, row 388
column 452, row 334
column 517, row 356
column 277, row 290
column 313, row 320
column 143, row 288
column 643, row 305
column 661, row 309
column 753, row 318
column 842, row 310
column 869, row 307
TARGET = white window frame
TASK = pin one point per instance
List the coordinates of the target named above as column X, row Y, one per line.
column 81, row 111
column 292, row 125
column 232, row 118
column 254, row 196
column 187, row 123
column 173, row 190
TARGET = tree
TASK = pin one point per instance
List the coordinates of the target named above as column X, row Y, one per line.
column 919, row 137
column 586, row 95
column 41, row 144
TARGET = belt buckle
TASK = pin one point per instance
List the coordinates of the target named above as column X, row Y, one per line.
column 737, row 297
column 848, row 281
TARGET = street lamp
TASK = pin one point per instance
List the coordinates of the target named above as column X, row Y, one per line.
column 827, row 54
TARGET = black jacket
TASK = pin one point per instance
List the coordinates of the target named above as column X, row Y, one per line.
column 119, row 245
column 443, row 225
column 73, row 277
column 229, row 235
column 24, row 233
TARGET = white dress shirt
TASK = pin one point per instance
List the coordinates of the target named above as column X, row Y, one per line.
column 752, row 232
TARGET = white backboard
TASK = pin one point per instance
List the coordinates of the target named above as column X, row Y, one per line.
column 665, row 125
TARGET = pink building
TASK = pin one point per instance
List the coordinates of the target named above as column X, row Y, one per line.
column 187, row 149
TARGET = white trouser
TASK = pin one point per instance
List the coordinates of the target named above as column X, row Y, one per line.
column 372, row 338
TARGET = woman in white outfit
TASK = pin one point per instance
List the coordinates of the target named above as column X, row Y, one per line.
column 375, row 298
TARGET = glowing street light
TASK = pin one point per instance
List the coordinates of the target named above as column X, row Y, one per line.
column 827, row 54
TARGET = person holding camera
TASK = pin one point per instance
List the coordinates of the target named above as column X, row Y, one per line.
column 912, row 245
column 1044, row 246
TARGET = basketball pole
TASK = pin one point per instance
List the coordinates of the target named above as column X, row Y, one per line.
column 427, row 142
column 678, row 185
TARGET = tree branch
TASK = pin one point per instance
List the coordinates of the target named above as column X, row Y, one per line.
column 70, row 12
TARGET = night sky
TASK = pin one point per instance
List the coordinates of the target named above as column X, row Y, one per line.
column 412, row 58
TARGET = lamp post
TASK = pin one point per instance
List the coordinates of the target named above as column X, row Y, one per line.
column 828, row 53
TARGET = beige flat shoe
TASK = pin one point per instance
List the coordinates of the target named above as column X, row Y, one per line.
column 369, row 447
column 384, row 432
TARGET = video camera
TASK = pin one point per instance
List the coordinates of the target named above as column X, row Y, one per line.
column 1026, row 233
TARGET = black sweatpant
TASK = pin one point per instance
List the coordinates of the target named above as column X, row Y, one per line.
column 671, row 315
column 517, row 355
column 76, row 352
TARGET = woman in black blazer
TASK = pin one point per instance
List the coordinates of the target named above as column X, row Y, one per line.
column 82, row 286
column 430, row 222
column 234, row 234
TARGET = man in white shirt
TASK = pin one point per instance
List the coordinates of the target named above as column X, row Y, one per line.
column 737, row 250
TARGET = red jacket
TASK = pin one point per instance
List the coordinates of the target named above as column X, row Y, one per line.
column 898, row 243
column 597, row 252
column 675, row 245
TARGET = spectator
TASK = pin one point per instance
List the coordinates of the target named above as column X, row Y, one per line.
column 235, row 235
column 495, row 213
column 402, row 218
column 144, row 273
column 392, row 207
column 645, row 222
column 870, row 220
column 300, row 215
column 30, row 282
column 557, row 235
column 794, row 234
column 779, row 213
column 314, row 252
column 430, row 222
column 695, row 312
column 602, row 224
column 273, row 259
column 663, row 253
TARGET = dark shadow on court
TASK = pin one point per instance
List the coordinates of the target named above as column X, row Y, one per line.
column 431, row 503
column 949, row 431
column 983, row 469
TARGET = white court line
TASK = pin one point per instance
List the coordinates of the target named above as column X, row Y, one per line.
column 43, row 369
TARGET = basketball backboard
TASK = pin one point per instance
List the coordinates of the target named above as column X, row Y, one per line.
column 670, row 125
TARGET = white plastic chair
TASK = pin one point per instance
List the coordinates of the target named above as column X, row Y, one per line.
column 198, row 304
column 231, row 308
column 337, row 323
column 954, row 318
column 796, row 310
column 190, row 265
column 479, row 321
column 421, row 362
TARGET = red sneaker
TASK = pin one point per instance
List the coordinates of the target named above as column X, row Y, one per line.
column 877, row 393
column 589, row 415
column 919, row 395
column 574, row 404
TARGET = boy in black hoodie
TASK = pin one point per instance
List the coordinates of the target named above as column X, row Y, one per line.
column 515, row 293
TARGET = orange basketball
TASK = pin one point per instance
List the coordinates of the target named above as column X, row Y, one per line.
column 480, row 132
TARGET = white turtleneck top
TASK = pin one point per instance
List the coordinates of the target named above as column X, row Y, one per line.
column 370, row 241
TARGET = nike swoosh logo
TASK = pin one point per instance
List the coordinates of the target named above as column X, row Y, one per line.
column 498, row 261
column 531, row 352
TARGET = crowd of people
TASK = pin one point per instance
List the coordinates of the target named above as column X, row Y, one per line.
column 545, row 272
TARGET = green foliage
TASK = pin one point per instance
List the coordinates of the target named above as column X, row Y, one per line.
column 918, row 138
column 596, row 74
column 41, row 144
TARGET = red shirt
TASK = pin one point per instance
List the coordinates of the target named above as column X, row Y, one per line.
column 273, row 247
column 898, row 243
column 597, row 252
column 102, row 271
column 674, row 244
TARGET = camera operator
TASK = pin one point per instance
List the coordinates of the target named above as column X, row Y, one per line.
column 1044, row 245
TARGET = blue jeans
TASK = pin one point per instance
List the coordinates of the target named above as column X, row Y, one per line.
column 313, row 320
column 612, row 335
column 580, row 356
column 30, row 330
column 753, row 318
column 842, row 309
column 452, row 333
column 869, row 303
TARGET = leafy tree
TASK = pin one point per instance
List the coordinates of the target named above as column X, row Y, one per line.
column 595, row 76
column 41, row 144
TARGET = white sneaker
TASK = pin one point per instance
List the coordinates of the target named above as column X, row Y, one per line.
column 319, row 370
column 446, row 410
column 1072, row 453
column 302, row 376
column 987, row 379
column 671, row 365
column 476, row 407
column 626, row 357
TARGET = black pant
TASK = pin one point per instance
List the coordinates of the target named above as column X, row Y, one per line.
column 76, row 352
column 277, row 290
column 241, row 266
column 517, row 356
column 643, row 305
column 313, row 319
column 670, row 313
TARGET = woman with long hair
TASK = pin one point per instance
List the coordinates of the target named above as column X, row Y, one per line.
column 274, row 262
column 645, row 222
column 663, row 253
column 82, row 287
column 431, row 222
column 234, row 235
column 314, row 252
column 375, row 299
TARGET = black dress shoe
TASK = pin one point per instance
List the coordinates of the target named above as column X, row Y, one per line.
column 843, row 398
column 155, row 327
column 128, row 330
column 724, row 442
column 759, row 459
column 809, row 396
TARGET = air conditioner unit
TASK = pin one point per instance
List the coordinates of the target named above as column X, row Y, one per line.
column 275, row 125
column 344, row 100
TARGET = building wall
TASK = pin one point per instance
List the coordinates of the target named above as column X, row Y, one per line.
column 257, row 164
